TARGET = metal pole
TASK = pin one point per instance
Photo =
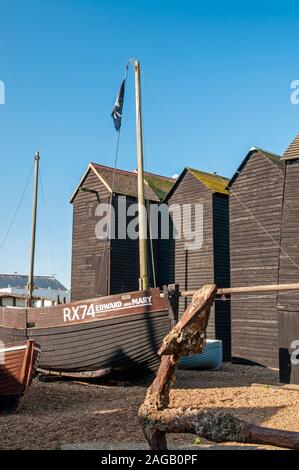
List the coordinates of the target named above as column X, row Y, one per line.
column 143, row 280
column 243, row 290
column 33, row 231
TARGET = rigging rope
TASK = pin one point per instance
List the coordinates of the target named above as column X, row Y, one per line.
column 172, row 115
column 264, row 228
column 17, row 210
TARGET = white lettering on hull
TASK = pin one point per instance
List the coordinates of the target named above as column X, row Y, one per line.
column 87, row 312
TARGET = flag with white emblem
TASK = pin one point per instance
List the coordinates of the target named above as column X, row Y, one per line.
column 118, row 107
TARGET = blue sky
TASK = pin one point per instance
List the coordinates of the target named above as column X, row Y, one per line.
column 216, row 80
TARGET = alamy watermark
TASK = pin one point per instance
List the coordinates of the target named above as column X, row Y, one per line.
column 295, row 93
column 295, row 352
column 167, row 222
column 2, row 92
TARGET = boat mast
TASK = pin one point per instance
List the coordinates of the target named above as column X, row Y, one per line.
column 33, row 232
column 143, row 279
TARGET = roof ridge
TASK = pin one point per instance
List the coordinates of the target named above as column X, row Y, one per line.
column 160, row 176
column 119, row 170
column 132, row 173
column 207, row 173
column 266, row 151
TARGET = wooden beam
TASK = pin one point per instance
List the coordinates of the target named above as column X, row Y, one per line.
column 157, row 418
column 246, row 289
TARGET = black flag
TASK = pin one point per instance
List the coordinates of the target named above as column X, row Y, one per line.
column 118, row 107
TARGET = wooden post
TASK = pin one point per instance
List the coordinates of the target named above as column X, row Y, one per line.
column 171, row 293
column 143, row 280
column 33, row 234
column 156, row 419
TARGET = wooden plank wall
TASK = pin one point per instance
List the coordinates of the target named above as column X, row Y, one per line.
column 120, row 257
column 289, row 258
column 86, row 249
column 222, row 270
column 255, row 259
column 124, row 268
column 190, row 269
column 288, row 302
column 124, row 271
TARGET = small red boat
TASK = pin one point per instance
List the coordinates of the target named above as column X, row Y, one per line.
column 18, row 364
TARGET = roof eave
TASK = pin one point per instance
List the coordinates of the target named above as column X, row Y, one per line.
column 244, row 162
column 290, row 158
column 90, row 167
column 177, row 182
column 241, row 166
column 80, row 183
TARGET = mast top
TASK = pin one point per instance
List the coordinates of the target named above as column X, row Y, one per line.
column 37, row 156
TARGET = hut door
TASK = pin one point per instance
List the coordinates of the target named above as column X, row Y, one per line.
column 101, row 274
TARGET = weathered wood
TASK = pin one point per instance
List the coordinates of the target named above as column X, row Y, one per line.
column 156, row 419
column 214, row 426
column 172, row 293
column 188, row 336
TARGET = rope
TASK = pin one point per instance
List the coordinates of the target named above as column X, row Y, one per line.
column 111, row 196
column 17, row 209
column 265, row 230
column 47, row 225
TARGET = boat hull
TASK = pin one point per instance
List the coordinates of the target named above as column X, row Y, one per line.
column 127, row 343
column 119, row 332
column 18, row 365
column 210, row 358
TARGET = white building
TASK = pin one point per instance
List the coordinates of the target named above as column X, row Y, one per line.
column 47, row 290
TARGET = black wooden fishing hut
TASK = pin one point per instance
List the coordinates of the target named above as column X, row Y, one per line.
column 111, row 265
column 256, row 198
column 200, row 255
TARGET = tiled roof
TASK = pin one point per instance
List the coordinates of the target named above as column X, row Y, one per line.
column 125, row 182
column 21, row 281
column 292, row 152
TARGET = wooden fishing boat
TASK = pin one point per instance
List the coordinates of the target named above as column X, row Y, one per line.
column 210, row 358
column 90, row 338
column 18, row 365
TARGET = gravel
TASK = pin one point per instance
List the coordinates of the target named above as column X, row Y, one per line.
column 58, row 414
